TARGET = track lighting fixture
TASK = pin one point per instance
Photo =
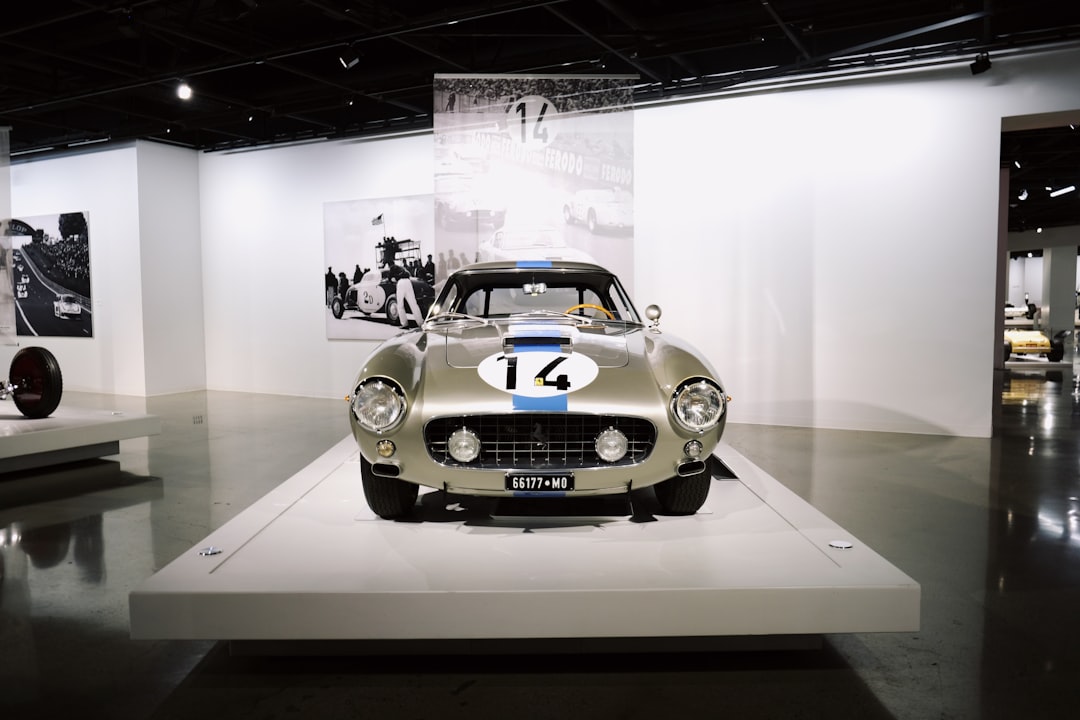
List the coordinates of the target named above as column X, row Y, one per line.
column 981, row 63
column 348, row 58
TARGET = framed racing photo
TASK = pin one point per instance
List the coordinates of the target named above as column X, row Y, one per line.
column 380, row 265
column 50, row 275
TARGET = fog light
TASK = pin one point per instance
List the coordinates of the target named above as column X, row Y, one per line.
column 463, row 445
column 385, row 448
column 693, row 448
column 611, row 445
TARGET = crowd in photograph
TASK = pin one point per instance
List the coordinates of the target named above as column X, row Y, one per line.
column 66, row 262
column 567, row 93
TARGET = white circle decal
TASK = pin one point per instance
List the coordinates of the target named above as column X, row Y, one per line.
column 538, row 373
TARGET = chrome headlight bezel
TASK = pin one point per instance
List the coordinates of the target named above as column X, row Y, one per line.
column 378, row 404
column 611, row 445
column 698, row 404
column 463, row 445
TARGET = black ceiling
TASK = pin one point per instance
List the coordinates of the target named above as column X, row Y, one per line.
column 268, row 71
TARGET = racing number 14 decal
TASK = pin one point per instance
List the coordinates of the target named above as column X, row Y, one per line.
column 562, row 382
column 538, row 373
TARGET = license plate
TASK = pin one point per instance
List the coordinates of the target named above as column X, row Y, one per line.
column 540, row 482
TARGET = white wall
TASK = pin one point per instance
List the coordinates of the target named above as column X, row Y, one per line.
column 105, row 184
column 262, row 229
column 171, row 255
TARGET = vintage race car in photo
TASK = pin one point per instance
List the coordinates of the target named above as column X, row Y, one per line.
column 536, row 379
column 1035, row 342
column 512, row 243
column 466, row 202
column 66, row 306
column 375, row 296
column 598, row 208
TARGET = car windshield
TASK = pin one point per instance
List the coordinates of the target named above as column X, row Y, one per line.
column 590, row 293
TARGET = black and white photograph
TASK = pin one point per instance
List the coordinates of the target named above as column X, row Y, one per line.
column 535, row 167
column 7, row 291
column 381, row 266
column 50, row 275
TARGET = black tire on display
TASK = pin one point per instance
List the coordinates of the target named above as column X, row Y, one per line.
column 35, row 374
column 1008, row 350
column 684, row 495
column 1057, row 351
column 337, row 307
column 389, row 498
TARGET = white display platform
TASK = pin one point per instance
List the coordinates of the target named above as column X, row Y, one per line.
column 309, row 561
column 69, row 434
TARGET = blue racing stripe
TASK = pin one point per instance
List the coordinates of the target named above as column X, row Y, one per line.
column 534, row 263
column 536, row 348
column 553, row 403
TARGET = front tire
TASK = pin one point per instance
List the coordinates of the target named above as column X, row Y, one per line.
column 1057, row 351
column 36, row 374
column 591, row 222
column 337, row 307
column 392, row 309
column 389, row 498
column 1008, row 351
column 684, row 495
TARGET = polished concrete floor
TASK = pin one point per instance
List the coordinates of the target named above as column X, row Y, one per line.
column 989, row 528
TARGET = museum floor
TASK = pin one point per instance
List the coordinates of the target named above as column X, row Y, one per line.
column 990, row 528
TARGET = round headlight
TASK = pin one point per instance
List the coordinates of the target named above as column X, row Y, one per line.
column 463, row 445
column 698, row 405
column 378, row 405
column 611, row 445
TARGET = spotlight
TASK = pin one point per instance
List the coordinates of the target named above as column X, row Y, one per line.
column 348, row 58
column 1023, row 195
column 183, row 91
column 981, row 63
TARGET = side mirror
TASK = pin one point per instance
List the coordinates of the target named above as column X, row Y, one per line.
column 653, row 314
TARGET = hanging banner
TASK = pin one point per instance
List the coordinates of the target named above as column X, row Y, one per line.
column 535, row 167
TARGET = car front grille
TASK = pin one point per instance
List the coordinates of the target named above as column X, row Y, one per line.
column 537, row 441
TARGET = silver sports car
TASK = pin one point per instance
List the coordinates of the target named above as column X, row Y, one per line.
column 538, row 379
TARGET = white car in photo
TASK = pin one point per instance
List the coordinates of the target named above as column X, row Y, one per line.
column 513, row 244
column 66, row 306
column 599, row 208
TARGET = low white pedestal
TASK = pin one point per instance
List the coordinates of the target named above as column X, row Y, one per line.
column 69, row 434
column 309, row 561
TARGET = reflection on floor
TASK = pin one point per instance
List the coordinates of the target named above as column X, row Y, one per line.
column 990, row 528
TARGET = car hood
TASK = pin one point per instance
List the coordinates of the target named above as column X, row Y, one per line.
column 605, row 344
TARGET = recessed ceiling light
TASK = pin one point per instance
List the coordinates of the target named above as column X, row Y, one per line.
column 183, row 91
column 1023, row 195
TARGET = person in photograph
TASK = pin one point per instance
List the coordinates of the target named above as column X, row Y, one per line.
column 408, row 308
column 429, row 271
column 331, row 285
column 357, row 275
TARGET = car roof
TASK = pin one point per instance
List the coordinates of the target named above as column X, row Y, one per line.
column 505, row 265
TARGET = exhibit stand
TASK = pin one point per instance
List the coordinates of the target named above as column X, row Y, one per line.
column 68, row 435
column 310, row 562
